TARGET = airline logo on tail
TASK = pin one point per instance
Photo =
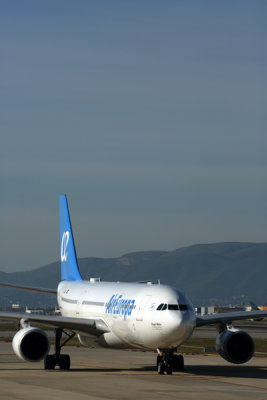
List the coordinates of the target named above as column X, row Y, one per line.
column 69, row 265
column 64, row 244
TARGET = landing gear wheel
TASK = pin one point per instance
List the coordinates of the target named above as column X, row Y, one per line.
column 168, row 362
column 169, row 370
column 161, row 368
column 64, row 361
column 159, row 359
column 178, row 362
column 49, row 362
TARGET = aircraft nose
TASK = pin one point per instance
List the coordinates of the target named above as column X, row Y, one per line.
column 180, row 325
column 175, row 320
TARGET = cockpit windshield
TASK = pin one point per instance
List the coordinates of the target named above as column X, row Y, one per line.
column 174, row 307
column 162, row 307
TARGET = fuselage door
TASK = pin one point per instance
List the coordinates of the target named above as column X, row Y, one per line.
column 141, row 307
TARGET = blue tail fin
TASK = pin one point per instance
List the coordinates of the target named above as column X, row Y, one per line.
column 69, row 266
column 254, row 306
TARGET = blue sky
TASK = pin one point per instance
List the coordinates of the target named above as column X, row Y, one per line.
column 150, row 115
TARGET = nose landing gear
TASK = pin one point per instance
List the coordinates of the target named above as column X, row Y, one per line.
column 168, row 362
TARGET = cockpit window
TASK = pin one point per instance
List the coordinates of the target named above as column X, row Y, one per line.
column 173, row 307
column 162, row 307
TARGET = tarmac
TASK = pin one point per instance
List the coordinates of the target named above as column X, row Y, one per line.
column 98, row 374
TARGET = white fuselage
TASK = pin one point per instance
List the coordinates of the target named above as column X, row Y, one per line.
column 130, row 310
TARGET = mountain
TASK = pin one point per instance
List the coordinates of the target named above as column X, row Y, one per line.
column 207, row 273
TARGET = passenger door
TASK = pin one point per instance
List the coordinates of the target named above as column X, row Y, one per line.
column 141, row 307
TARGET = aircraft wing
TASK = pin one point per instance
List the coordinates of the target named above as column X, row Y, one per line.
column 226, row 318
column 95, row 327
column 32, row 288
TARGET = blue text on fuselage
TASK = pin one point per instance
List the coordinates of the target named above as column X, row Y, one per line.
column 120, row 306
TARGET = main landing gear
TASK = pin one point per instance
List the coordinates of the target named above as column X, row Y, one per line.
column 62, row 360
column 167, row 362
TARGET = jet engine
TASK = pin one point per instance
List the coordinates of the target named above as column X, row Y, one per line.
column 235, row 346
column 31, row 344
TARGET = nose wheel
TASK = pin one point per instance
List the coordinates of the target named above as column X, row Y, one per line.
column 168, row 362
column 62, row 360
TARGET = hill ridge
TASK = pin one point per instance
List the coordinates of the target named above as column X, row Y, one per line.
column 211, row 272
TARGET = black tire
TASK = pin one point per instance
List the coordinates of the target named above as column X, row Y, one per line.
column 169, row 370
column 178, row 362
column 49, row 362
column 64, row 361
column 161, row 368
column 159, row 359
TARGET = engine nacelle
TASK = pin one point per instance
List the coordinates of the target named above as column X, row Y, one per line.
column 31, row 344
column 235, row 346
column 85, row 340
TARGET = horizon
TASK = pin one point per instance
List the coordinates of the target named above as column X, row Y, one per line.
column 137, row 252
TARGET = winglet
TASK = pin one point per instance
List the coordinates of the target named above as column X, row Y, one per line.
column 69, row 266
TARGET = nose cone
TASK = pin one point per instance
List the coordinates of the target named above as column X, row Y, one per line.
column 180, row 326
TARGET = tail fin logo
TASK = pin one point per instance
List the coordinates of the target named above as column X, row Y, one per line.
column 64, row 244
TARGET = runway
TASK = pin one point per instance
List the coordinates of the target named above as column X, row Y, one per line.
column 112, row 374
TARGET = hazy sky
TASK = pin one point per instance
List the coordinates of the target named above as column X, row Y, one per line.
column 150, row 115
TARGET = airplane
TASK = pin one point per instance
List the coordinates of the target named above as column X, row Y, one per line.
column 254, row 307
column 118, row 315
